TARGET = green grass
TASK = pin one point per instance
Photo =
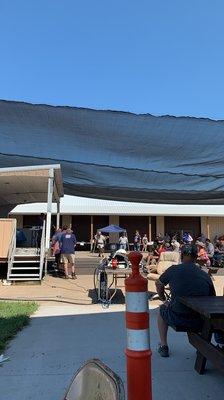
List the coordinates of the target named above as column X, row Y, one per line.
column 13, row 317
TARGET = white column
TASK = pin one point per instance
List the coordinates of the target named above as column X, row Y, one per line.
column 58, row 215
column 150, row 228
column 49, row 207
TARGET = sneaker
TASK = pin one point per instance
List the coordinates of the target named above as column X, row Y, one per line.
column 66, row 277
column 74, row 276
column 163, row 351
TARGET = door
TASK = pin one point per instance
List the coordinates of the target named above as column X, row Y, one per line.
column 180, row 225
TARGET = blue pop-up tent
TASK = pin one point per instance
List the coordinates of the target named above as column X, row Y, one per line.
column 112, row 229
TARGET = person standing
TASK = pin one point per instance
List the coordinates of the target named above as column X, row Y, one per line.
column 137, row 241
column 100, row 244
column 145, row 243
column 55, row 246
column 67, row 246
column 123, row 241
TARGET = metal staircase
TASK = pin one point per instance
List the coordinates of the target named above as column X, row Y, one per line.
column 26, row 264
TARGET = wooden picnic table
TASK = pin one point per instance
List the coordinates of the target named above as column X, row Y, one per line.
column 211, row 310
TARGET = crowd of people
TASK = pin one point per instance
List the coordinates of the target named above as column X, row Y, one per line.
column 185, row 279
column 208, row 253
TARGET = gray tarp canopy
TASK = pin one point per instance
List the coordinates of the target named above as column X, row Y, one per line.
column 118, row 155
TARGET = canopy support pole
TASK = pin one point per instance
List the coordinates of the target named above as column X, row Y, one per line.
column 58, row 214
column 49, row 208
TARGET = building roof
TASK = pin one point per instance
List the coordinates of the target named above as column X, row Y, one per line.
column 29, row 184
column 81, row 205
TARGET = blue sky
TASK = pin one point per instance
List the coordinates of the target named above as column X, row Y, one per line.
column 158, row 57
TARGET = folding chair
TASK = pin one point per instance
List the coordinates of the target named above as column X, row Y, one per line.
column 94, row 380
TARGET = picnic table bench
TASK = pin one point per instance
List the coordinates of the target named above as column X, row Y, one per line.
column 211, row 310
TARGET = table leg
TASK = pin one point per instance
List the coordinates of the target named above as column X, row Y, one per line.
column 206, row 334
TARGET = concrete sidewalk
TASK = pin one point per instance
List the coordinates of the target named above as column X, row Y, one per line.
column 45, row 355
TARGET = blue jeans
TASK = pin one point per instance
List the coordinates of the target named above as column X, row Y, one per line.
column 123, row 246
column 136, row 246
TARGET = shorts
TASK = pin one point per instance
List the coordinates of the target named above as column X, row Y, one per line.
column 184, row 322
column 68, row 258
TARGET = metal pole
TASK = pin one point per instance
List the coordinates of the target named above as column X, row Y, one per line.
column 58, row 215
column 49, row 207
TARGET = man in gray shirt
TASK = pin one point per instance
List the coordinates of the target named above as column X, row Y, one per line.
column 184, row 280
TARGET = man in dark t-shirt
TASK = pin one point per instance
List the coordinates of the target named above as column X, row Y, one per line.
column 184, row 280
column 67, row 247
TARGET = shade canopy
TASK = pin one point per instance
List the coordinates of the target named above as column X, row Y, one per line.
column 112, row 229
column 117, row 155
column 21, row 185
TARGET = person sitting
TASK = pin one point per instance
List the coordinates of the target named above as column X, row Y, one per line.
column 175, row 245
column 202, row 258
column 219, row 252
column 187, row 238
column 184, row 280
column 209, row 249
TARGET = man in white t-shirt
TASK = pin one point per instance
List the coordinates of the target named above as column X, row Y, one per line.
column 100, row 244
column 123, row 241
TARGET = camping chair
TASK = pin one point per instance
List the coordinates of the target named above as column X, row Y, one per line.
column 166, row 260
column 94, row 380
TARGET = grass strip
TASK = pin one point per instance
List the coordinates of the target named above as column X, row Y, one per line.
column 13, row 317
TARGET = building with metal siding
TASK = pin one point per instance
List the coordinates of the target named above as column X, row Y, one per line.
column 85, row 216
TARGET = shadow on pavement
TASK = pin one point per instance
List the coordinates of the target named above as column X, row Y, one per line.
column 119, row 297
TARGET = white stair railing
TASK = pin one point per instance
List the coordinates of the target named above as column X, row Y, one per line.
column 12, row 249
column 42, row 249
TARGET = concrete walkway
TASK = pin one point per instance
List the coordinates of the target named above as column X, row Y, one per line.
column 45, row 355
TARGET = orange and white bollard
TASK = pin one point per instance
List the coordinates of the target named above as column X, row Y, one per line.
column 138, row 353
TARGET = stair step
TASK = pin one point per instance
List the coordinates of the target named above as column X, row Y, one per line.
column 23, row 279
column 25, row 261
column 23, row 275
column 22, row 268
column 26, row 255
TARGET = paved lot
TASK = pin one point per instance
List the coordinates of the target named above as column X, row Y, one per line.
column 61, row 336
column 44, row 356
